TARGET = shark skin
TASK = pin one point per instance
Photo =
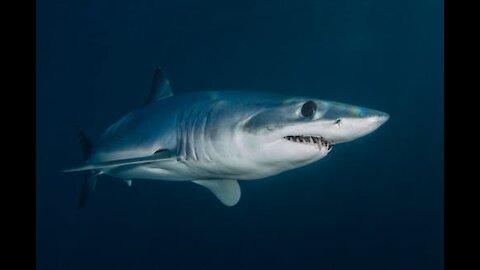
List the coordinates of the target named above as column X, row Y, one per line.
column 216, row 138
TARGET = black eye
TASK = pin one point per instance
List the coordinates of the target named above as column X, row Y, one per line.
column 309, row 108
column 338, row 121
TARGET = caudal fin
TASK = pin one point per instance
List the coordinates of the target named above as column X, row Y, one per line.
column 88, row 185
column 84, row 143
column 89, row 180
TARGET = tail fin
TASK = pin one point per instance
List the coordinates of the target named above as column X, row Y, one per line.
column 84, row 143
column 89, row 177
column 88, row 185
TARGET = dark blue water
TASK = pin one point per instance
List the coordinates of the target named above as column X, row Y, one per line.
column 375, row 203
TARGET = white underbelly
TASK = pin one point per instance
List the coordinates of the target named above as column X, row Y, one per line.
column 188, row 171
column 172, row 172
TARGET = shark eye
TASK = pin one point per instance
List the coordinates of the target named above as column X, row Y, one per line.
column 309, row 108
column 338, row 121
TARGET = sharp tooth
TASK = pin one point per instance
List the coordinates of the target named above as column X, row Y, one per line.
column 301, row 139
column 307, row 139
column 315, row 140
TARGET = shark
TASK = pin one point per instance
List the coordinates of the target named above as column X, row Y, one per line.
column 217, row 138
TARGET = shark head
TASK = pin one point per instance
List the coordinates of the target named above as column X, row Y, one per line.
column 299, row 131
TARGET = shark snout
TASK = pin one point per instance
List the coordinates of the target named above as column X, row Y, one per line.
column 380, row 118
column 352, row 122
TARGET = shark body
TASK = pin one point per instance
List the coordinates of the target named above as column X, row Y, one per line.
column 216, row 138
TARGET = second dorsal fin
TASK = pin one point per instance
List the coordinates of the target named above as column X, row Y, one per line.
column 160, row 87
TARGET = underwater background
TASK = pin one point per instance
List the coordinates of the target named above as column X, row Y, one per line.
column 374, row 203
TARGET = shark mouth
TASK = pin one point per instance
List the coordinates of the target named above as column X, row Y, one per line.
column 314, row 140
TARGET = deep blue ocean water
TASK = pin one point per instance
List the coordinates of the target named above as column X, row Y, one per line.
column 375, row 203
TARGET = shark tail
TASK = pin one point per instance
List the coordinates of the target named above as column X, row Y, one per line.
column 89, row 180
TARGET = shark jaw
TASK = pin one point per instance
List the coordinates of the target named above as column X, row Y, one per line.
column 316, row 141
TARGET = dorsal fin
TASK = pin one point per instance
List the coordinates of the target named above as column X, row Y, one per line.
column 160, row 87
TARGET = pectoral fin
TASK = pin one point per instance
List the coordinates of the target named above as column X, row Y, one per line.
column 227, row 191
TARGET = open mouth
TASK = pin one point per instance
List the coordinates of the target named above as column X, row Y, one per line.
column 315, row 140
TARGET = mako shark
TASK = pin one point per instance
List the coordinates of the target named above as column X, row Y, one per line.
column 216, row 138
